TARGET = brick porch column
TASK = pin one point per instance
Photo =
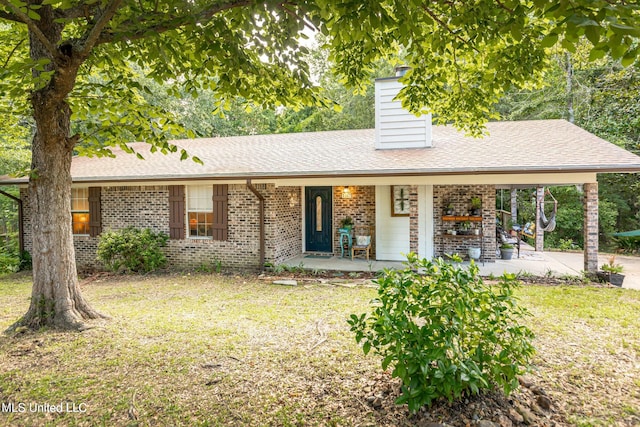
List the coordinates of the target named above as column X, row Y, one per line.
column 539, row 231
column 590, row 227
column 413, row 219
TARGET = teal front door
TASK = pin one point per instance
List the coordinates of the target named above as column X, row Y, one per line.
column 318, row 224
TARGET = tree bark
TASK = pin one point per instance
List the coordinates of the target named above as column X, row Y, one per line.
column 55, row 298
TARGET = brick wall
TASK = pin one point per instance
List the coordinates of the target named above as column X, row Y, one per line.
column 361, row 207
column 460, row 196
column 283, row 220
column 148, row 207
column 240, row 250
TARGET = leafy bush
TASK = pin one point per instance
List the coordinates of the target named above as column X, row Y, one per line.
column 9, row 263
column 132, row 249
column 567, row 245
column 628, row 245
column 444, row 332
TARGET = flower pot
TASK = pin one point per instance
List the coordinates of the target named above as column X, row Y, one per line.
column 474, row 253
column 506, row 253
column 615, row 279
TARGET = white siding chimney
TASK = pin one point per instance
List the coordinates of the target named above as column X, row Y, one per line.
column 395, row 126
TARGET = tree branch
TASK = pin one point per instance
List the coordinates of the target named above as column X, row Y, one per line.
column 102, row 22
column 446, row 27
column 168, row 23
column 504, row 7
column 294, row 15
column 12, row 52
column 33, row 28
column 81, row 11
column 9, row 16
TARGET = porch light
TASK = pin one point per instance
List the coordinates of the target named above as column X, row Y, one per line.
column 346, row 193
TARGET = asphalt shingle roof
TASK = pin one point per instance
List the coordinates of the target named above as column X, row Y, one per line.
column 511, row 147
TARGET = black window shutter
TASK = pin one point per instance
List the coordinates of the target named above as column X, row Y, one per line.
column 176, row 212
column 220, row 206
column 95, row 212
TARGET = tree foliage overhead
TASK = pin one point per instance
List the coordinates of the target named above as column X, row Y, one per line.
column 604, row 98
column 464, row 53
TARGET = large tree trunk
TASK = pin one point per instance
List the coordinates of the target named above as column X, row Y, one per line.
column 55, row 298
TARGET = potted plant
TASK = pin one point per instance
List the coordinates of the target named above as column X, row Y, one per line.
column 465, row 228
column 476, row 205
column 474, row 253
column 346, row 224
column 449, row 209
column 506, row 251
column 611, row 272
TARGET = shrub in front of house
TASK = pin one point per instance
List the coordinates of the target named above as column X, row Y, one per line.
column 445, row 333
column 132, row 250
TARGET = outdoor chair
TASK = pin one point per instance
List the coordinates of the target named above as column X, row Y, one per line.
column 362, row 241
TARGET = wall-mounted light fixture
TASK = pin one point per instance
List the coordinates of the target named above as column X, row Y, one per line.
column 293, row 198
column 346, row 193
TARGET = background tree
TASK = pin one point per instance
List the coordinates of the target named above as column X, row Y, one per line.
column 464, row 55
column 602, row 97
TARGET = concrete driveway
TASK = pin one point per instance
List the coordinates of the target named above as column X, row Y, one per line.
column 561, row 263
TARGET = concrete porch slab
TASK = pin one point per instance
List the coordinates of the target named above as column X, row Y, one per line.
column 555, row 264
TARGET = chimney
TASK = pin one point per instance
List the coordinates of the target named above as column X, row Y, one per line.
column 395, row 126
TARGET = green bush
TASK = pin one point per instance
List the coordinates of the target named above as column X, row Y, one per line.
column 132, row 249
column 444, row 332
column 9, row 263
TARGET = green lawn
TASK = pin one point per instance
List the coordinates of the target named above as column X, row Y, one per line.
column 218, row 350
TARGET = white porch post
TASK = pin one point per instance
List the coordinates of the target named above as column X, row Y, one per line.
column 539, row 231
column 590, row 227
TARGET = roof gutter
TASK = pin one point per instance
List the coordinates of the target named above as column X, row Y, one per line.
column 260, row 197
column 525, row 170
column 20, row 220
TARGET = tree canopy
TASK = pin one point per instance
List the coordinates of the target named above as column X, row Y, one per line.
column 464, row 54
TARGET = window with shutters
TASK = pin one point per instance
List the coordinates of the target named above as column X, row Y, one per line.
column 200, row 211
column 80, row 211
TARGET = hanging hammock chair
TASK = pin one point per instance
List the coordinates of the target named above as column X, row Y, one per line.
column 548, row 224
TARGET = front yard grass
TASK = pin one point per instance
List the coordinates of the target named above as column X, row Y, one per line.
column 233, row 350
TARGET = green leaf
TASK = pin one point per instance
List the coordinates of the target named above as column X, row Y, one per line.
column 366, row 347
column 593, row 34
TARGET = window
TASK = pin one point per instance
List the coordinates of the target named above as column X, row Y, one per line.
column 80, row 211
column 200, row 211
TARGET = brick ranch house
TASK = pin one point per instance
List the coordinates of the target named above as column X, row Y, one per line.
column 269, row 198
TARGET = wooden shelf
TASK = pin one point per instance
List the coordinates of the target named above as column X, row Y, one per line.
column 462, row 236
column 462, row 218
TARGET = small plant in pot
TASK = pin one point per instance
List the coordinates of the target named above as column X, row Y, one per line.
column 449, row 209
column 465, row 228
column 506, row 251
column 476, row 205
column 346, row 224
column 611, row 272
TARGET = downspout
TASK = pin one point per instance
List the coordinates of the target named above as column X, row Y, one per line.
column 260, row 197
column 20, row 216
